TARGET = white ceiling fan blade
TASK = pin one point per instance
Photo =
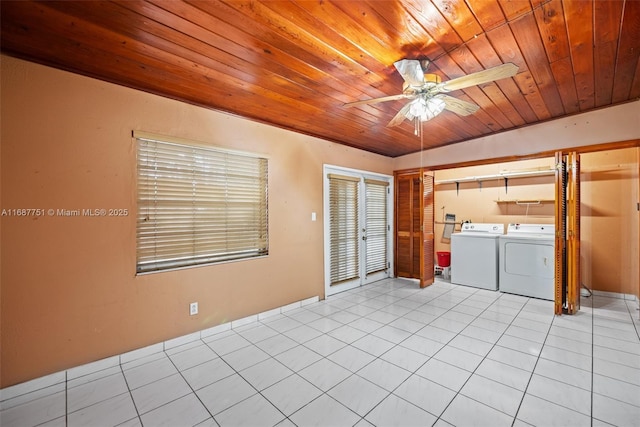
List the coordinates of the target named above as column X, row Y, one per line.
column 458, row 106
column 411, row 71
column 496, row 73
column 376, row 100
column 401, row 115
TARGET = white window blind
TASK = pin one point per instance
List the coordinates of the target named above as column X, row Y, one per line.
column 198, row 205
column 376, row 225
column 344, row 228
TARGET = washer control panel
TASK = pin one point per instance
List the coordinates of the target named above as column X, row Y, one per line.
column 470, row 227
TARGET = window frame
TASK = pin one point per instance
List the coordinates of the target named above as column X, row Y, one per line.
column 201, row 227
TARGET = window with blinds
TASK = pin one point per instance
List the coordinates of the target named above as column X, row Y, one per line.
column 376, row 225
column 198, row 205
column 343, row 228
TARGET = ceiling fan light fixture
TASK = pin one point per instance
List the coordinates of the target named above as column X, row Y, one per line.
column 426, row 109
column 426, row 91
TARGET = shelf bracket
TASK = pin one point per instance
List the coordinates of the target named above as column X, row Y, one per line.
column 506, row 185
column 457, row 188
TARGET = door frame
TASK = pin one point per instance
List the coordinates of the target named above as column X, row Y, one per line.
column 363, row 280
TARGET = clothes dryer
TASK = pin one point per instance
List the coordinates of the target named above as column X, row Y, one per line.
column 527, row 255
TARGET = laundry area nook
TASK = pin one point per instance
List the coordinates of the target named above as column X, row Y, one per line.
column 329, row 213
column 498, row 222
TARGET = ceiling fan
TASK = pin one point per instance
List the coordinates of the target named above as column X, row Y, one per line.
column 426, row 91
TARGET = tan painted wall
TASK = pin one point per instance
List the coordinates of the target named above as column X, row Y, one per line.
column 479, row 203
column 617, row 123
column 609, row 220
column 69, row 290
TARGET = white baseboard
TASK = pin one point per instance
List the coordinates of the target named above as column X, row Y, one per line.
column 52, row 380
column 617, row 295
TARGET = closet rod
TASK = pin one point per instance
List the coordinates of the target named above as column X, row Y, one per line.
column 501, row 175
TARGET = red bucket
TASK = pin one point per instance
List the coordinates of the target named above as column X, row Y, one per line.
column 444, row 259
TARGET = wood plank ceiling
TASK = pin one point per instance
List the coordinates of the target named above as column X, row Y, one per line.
column 294, row 64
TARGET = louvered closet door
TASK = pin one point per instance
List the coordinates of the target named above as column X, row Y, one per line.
column 567, row 242
column 414, row 237
column 428, row 233
column 357, row 229
column 408, row 238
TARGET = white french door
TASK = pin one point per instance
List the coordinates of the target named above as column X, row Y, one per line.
column 358, row 216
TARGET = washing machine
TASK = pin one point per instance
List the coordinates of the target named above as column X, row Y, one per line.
column 474, row 255
column 527, row 260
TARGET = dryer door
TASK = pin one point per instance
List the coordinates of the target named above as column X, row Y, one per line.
column 524, row 258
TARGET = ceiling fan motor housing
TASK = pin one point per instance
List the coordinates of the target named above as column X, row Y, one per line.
column 430, row 81
column 432, row 78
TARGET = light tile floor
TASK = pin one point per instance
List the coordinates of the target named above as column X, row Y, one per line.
column 387, row 354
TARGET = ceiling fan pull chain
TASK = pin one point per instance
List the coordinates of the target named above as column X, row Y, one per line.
column 419, row 123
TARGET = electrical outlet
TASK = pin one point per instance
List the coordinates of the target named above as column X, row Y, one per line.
column 193, row 308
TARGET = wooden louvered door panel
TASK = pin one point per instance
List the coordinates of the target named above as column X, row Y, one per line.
column 567, row 242
column 428, row 232
column 405, row 262
column 416, row 227
column 414, row 241
column 573, row 234
column 560, row 222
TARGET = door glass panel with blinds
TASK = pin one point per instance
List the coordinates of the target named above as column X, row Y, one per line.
column 377, row 226
column 344, row 229
column 357, row 223
column 198, row 205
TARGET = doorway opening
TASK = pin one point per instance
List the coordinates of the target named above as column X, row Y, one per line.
column 358, row 213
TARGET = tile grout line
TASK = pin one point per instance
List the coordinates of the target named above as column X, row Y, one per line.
column 235, row 372
column 399, row 344
column 187, row 382
column 484, row 358
column 445, row 344
column 438, row 417
column 294, row 372
column 593, row 373
column 534, row 369
column 66, row 398
column 389, row 393
column 351, row 373
column 387, row 324
column 633, row 322
column 592, row 356
column 354, row 373
column 593, row 343
column 398, row 298
column 129, row 390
